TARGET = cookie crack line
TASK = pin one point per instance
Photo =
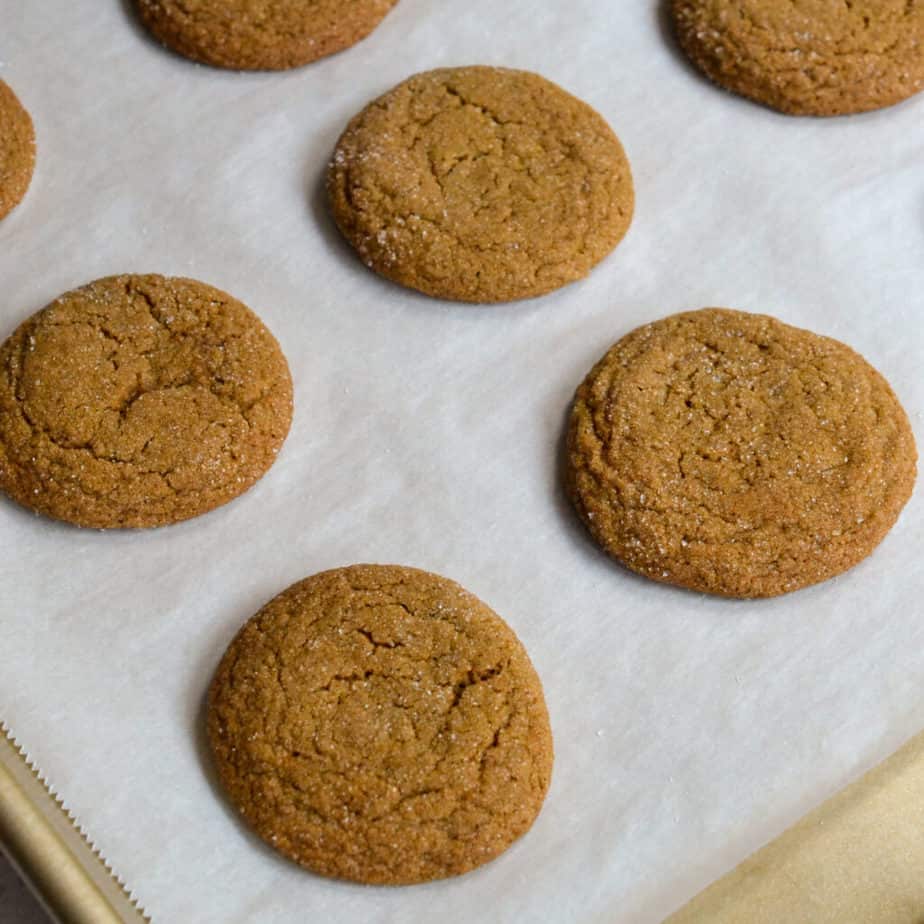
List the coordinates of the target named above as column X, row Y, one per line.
column 480, row 759
column 499, row 123
column 96, row 321
column 354, row 184
column 43, row 432
column 680, row 504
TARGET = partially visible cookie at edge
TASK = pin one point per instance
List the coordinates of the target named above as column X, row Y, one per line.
column 260, row 34
column 480, row 184
column 816, row 57
column 139, row 401
column 733, row 454
column 17, row 150
column 380, row 724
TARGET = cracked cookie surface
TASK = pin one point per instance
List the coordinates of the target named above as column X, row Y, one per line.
column 733, row 454
column 480, row 184
column 260, row 34
column 139, row 401
column 381, row 724
column 807, row 57
column 17, row 150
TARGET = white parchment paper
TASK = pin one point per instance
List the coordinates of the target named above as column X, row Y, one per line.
column 689, row 730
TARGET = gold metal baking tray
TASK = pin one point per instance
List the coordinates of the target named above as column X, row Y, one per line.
column 43, row 841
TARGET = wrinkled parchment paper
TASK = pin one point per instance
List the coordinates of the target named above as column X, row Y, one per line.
column 689, row 730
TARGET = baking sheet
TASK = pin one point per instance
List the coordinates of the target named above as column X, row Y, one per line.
column 855, row 859
column 689, row 730
column 42, row 839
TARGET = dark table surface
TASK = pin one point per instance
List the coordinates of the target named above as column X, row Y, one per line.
column 17, row 906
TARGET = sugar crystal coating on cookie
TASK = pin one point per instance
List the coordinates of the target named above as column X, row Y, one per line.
column 381, row 724
column 480, row 184
column 733, row 454
column 261, row 34
column 814, row 57
column 17, row 150
column 139, row 401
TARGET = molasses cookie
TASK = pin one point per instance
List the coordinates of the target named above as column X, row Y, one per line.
column 17, row 150
column 733, row 454
column 260, row 34
column 139, row 401
column 815, row 57
column 380, row 724
column 480, row 184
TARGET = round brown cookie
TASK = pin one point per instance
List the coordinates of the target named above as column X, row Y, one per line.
column 261, row 34
column 381, row 724
column 814, row 57
column 730, row 453
column 139, row 401
column 480, row 184
column 17, row 150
